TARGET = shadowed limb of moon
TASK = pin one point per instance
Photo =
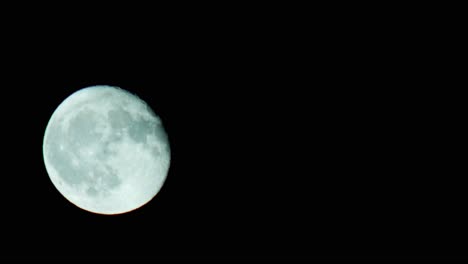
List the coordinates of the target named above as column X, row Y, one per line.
column 106, row 151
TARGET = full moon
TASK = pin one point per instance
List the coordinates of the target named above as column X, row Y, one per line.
column 106, row 151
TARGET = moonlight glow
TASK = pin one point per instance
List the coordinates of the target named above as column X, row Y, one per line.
column 106, row 151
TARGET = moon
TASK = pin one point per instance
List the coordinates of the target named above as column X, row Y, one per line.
column 106, row 151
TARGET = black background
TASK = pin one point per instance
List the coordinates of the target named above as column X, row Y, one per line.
column 292, row 136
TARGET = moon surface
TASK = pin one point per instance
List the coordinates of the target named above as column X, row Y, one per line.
column 106, row 151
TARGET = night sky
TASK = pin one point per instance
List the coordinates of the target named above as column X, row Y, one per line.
column 287, row 141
